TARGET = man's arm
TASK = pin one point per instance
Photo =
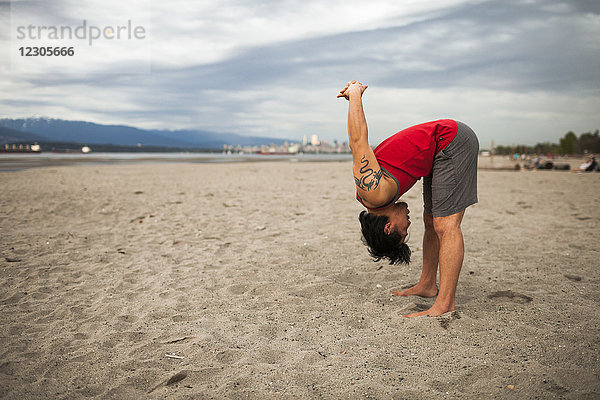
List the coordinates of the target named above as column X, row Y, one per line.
column 367, row 172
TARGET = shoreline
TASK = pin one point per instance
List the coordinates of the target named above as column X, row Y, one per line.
column 20, row 162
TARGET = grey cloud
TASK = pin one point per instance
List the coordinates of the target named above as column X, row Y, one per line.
column 586, row 6
column 54, row 12
column 513, row 46
column 541, row 50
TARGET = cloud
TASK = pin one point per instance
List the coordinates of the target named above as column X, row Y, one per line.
column 481, row 45
column 273, row 68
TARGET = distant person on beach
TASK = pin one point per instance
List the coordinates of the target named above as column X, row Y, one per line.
column 589, row 165
column 443, row 153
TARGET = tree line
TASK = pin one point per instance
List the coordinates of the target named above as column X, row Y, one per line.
column 569, row 144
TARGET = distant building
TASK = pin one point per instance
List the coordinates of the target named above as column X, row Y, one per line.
column 314, row 140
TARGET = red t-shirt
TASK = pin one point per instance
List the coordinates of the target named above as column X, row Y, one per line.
column 408, row 155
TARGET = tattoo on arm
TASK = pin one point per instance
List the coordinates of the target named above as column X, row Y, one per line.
column 369, row 179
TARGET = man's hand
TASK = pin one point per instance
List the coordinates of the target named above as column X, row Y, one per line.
column 352, row 88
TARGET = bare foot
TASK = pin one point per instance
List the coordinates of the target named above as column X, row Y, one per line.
column 418, row 290
column 432, row 312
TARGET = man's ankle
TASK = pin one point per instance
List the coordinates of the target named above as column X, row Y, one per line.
column 427, row 284
column 443, row 306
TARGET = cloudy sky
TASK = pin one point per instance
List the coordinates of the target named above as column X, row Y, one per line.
column 517, row 71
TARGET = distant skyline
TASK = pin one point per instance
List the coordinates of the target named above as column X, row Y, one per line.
column 518, row 72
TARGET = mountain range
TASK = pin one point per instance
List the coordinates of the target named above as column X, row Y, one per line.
column 82, row 132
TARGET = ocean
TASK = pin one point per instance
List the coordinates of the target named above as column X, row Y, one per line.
column 17, row 162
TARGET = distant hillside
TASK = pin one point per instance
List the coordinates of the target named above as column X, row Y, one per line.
column 8, row 135
column 57, row 130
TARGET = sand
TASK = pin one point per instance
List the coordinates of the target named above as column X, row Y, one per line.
column 249, row 280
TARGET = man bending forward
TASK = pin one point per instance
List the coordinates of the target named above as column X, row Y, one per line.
column 443, row 153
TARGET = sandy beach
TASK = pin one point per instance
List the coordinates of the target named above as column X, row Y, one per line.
column 249, row 280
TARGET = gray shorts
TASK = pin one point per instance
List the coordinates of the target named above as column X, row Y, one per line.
column 452, row 185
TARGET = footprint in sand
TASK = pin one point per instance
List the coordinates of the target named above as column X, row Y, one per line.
column 446, row 320
column 178, row 377
column 511, row 296
column 574, row 278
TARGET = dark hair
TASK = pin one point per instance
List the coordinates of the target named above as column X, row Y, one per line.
column 380, row 244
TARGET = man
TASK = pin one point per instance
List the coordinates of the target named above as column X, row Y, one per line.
column 589, row 165
column 442, row 152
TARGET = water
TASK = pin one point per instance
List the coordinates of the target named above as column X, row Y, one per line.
column 17, row 162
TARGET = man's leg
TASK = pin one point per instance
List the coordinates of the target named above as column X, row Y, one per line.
column 427, row 286
column 451, row 256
